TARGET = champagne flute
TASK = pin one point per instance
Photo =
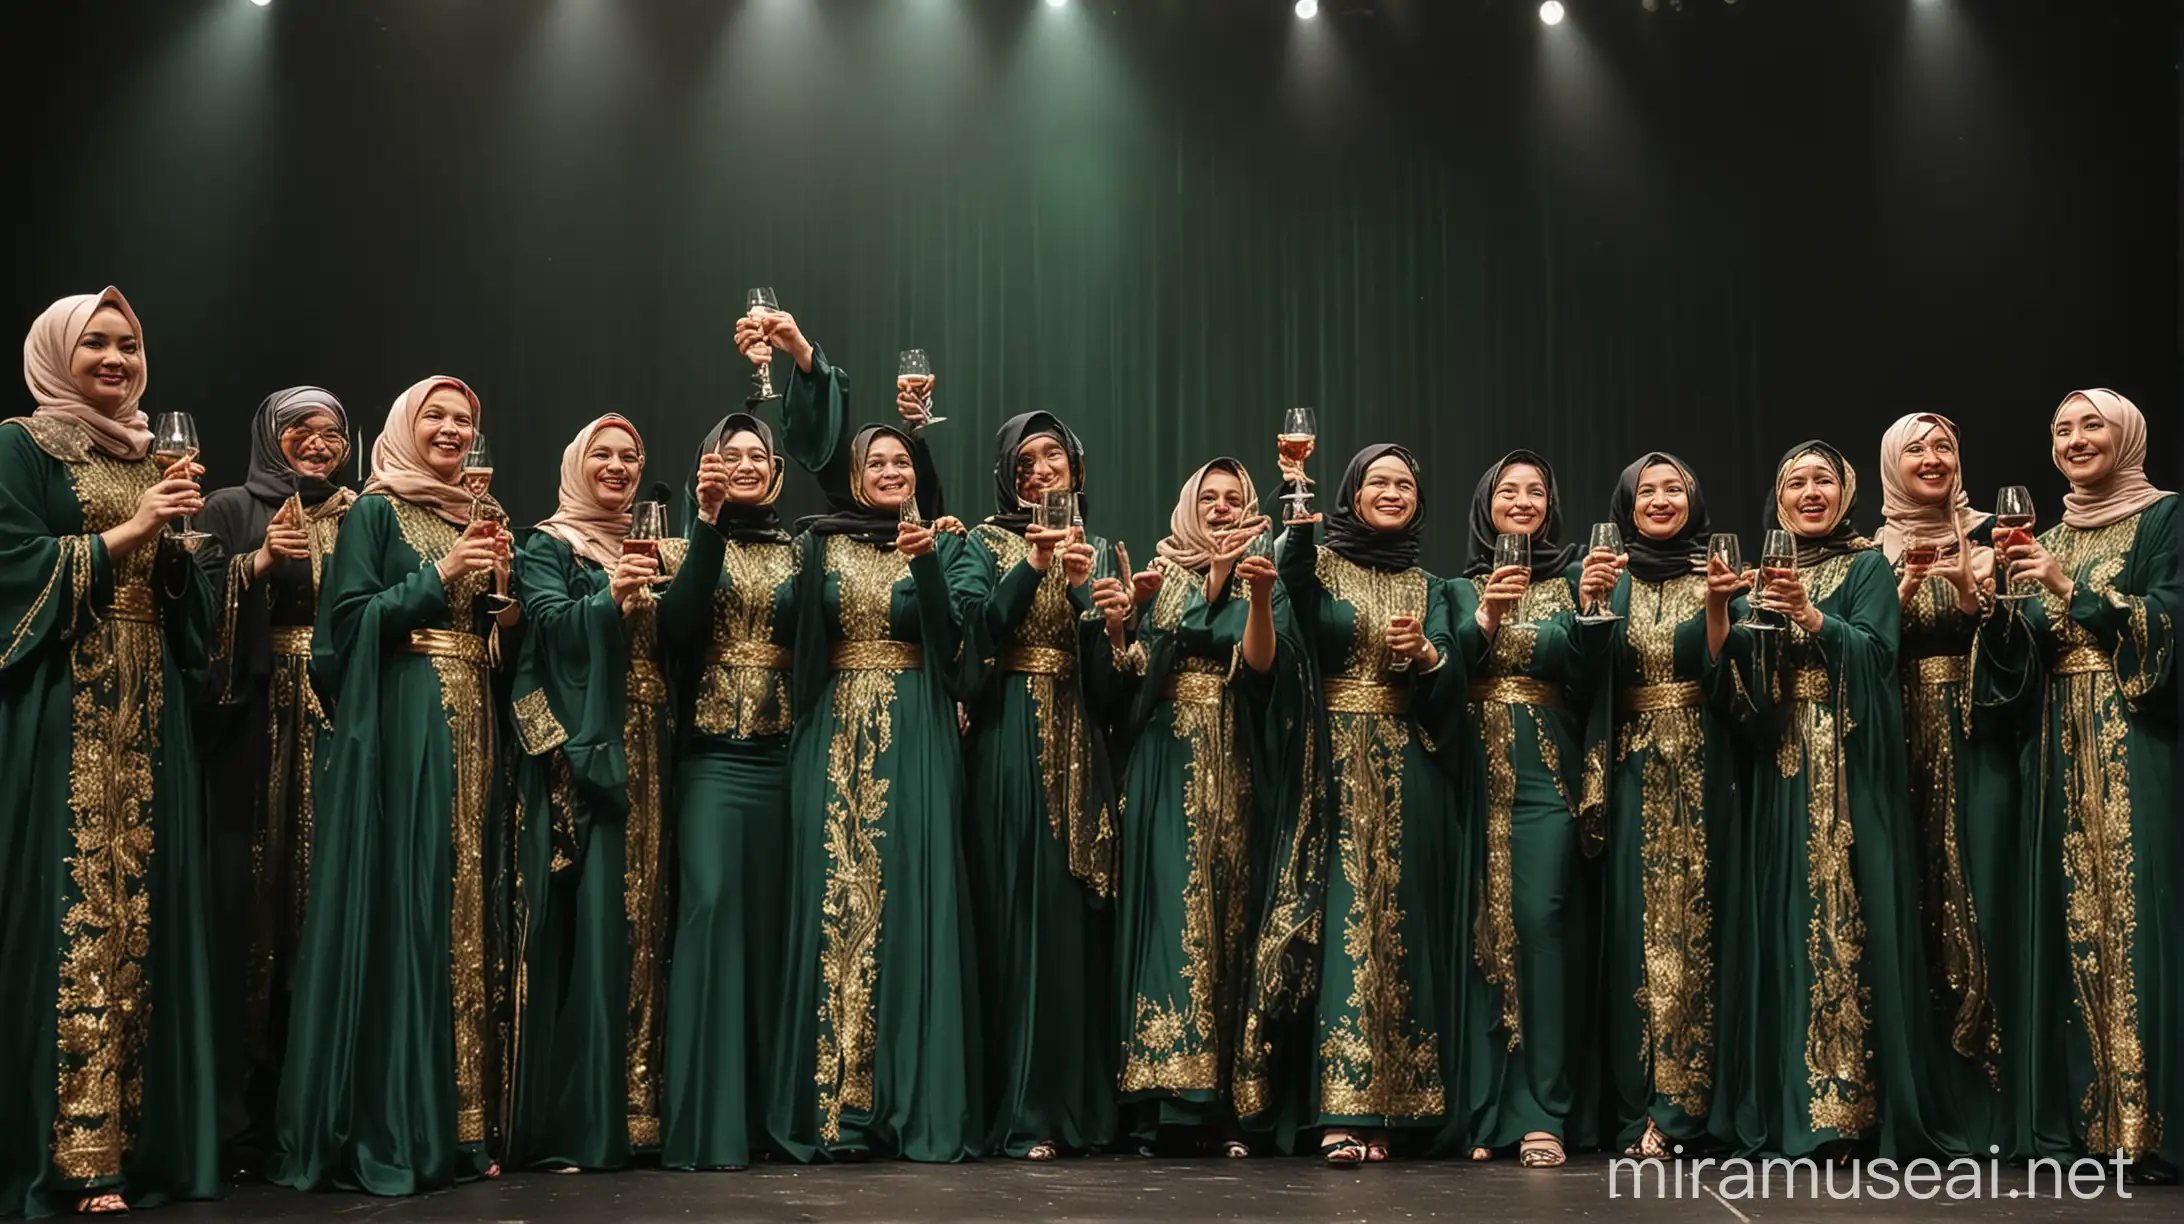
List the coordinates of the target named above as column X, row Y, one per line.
column 763, row 301
column 1605, row 538
column 2013, row 520
column 1103, row 560
column 174, row 440
column 477, row 477
column 1777, row 560
column 914, row 372
column 1510, row 548
column 1298, row 438
column 907, row 511
column 1724, row 547
column 647, row 527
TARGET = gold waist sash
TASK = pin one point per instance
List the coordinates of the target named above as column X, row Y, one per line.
column 1038, row 661
column 1202, row 666
column 133, row 602
column 646, row 684
column 1649, row 698
column 763, row 655
column 291, row 640
column 447, row 644
column 1809, row 684
column 1941, row 669
column 1518, row 690
column 2079, row 660
column 876, row 656
column 1350, row 695
column 1193, row 686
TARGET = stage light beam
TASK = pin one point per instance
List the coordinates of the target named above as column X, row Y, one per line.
column 1307, row 9
column 1551, row 12
column 1056, row 3
column 261, row 3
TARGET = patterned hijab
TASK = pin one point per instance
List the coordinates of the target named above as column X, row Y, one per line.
column 2126, row 491
column 398, row 463
column 590, row 526
column 1188, row 543
column 50, row 347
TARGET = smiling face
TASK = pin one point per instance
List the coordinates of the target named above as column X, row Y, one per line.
column 888, row 478
column 612, row 466
column 1520, row 500
column 445, row 425
column 2085, row 447
column 107, row 361
column 1664, row 501
column 750, row 467
column 1928, row 467
column 1220, row 500
column 1810, row 496
column 1388, row 496
column 1041, row 464
column 314, row 446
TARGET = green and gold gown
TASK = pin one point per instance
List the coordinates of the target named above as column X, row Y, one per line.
column 1825, row 1011
column 260, row 736
column 595, row 857
column 1525, row 730
column 102, row 936
column 1966, row 811
column 1040, row 838
column 1668, row 763
column 1184, row 910
column 401, row 1037
column 1385, row 988
column 2104, row 938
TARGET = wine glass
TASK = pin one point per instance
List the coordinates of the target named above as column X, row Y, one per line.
column 1510, row 548
column 477, row 478
column 647, row 527
column 174, row 440
column 1605, row 538
column 908, row 511
column 2013, row 520
column 914, row 372
column 1103, row 560
column 762, row 302
column 1299, row 435
column 1724, row 547
column 1057, row 508
column 1777, row 559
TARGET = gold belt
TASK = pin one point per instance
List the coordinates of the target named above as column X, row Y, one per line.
column 1941, row 669
column 1809, row 684
column 133, row 602
column 1350, row 695
column 763, row 655
column 876, row 656
column 1193, row 686
column 645, row 683
column 291, row 640
column 1648, row 698
column 447, row 644
column 2079, row 660
column 1203, row 666
column 1038, row 661
column 1518, row 690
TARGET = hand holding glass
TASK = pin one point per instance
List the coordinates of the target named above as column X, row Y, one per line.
column 914, row 372
column 2013, row 522
column 174, row 440
column 1605, row 539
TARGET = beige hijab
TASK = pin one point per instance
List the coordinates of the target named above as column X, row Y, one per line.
column 590, row 526
column 47, row 351
column 398, row 463
column 1188, row 543
column 1904, row 516
column 2126, row 491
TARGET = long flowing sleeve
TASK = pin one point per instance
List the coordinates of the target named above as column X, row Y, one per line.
column 51, row 582
column 359, row 610
column 571, row 680
column 2133, row 615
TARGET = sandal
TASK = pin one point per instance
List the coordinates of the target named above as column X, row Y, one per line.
column 1342, row 1153
column 1376, row 1151
column 1235, row 1149
column 1541, row 1151
column 1652, row 1145
column 1482, row 1154
column 108, row 1203
column 1042, row 1152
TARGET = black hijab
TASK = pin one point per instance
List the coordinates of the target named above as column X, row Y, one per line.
column 1654, row 560
column 1549, row 559
column 1349, row 538
column 1010, row 513
column 271, row 479
column 742, row 524
column 1842, row 539
column 847, row 512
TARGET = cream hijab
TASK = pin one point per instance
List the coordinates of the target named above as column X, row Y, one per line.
column 47, row 351
column 398, row 463
column 1904, row 516
column 2126, row 491
column 1188, row 543
column 585, row 523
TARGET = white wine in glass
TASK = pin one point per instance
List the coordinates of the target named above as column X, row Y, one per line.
column 914, row 372
column 763, row 302
column 174, row 440
column 1605, row 539
column 1777, row 560
column 477, row 480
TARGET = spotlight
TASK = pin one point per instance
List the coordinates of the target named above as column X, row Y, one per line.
column 1307, row 9
column 261, row 3
column 1056, row 3
column 1551, row 12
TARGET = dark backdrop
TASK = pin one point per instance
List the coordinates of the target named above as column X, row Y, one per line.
column 1718, row 232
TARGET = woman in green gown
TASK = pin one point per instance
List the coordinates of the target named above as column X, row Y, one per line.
column 1830, row 988
column 1962, row 771
column 1386, row 690
column 1041, row 829
column 268, row 539
column 877, row 1029
column 1184, row 916
column 2107, row 947
column 400, row 1035
column 1532, row 666
column 109, row 1099
column 591, row 720
column 1664, row 759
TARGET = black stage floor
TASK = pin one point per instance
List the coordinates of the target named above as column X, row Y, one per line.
column 1128, row 1188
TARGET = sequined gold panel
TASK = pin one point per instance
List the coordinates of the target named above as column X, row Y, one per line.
column 1283, row 956
column 1376, row 598
column 738, row 697
column 645, row 878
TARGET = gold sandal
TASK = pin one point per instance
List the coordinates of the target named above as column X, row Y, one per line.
column 1541, row 1152
column 107, row 1203
column 1652, row 1145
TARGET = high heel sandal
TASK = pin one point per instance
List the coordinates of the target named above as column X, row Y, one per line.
column 1652, row 1145
column 1343, row 1153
